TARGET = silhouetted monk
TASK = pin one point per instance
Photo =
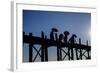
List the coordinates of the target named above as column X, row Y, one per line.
column 61, row 37
column 66, row 33
column 52, row 33
column 72, row 39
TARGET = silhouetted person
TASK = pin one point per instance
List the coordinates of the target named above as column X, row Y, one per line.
column 61, row 37
column 52, row 33
column 72, row 39
column 66, row 33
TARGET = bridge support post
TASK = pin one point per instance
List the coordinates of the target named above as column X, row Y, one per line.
column 46, row 50
column 76, row 54
column 60, row 53
column 88, row 52
column 68, row 53
column 80, row 49
column 57, row 54
column 57, row 47
column 72, row 54
column 30, row 47
column 42, row 49
column 46, row 54
column 42, row 54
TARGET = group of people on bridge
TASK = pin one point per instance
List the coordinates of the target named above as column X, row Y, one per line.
column 62, row 37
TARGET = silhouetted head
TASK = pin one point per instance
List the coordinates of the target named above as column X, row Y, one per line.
column 55, row 29
column 61, row 36
column 66, row 33
column 74, row 35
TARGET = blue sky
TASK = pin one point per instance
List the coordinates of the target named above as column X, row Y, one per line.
column 37, row 21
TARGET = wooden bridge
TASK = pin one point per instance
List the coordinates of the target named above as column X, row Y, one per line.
column 80, row 49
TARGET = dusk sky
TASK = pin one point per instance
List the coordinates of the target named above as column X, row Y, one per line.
column 37, row 21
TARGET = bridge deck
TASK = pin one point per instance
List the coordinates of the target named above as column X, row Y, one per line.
column 48, row 42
